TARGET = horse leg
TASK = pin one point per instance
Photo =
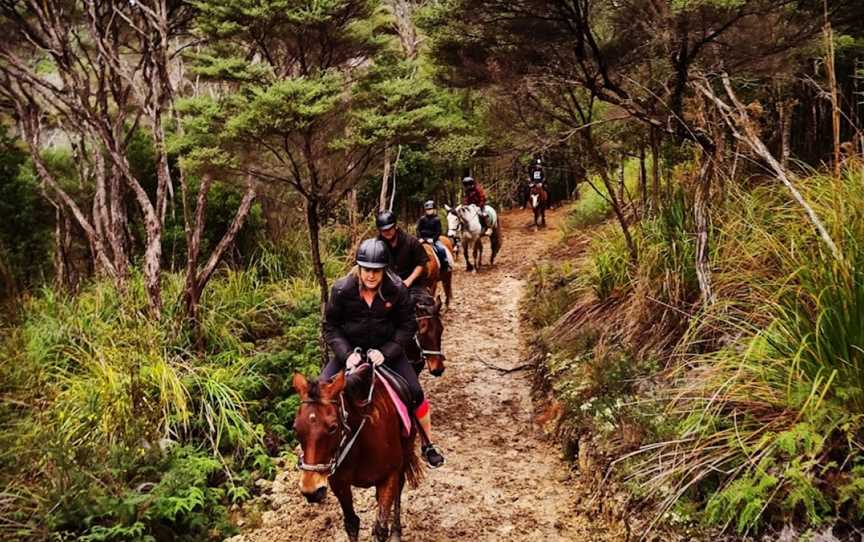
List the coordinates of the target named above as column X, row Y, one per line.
column 465, row 249
column 447, row 283
column 342, row 490
column 396, row 531
column 385, row 493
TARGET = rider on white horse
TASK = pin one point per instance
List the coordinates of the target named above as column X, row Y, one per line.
column 474, row 194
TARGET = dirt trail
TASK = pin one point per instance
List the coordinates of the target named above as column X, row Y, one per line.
column 502, row 481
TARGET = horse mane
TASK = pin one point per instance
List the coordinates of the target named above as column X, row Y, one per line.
column 357, row 391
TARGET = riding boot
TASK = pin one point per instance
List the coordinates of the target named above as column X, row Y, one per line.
column 430, row 453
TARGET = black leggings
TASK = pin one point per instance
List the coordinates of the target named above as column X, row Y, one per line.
column 401, row 366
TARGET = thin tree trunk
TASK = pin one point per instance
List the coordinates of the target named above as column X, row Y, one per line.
column 832, row 82
column 655, row 170
column 353, row 215
column 701, row 218
column 785, row 114
column 643, row 178
column 385, row 180
column 313, row 227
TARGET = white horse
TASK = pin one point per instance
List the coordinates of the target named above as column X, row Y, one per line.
column 466, row 219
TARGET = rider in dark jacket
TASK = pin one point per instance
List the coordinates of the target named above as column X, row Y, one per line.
column 368, row 311
column 407, row 257
column 429, row 231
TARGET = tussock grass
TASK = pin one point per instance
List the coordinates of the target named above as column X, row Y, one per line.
column 113, row 424
column 757, row 407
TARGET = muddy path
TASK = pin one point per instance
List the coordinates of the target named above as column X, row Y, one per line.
column 502, row 480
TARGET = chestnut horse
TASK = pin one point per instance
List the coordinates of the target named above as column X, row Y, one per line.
column 433, row 270
column 539, row 200
column 427, row 346
column 350, row 435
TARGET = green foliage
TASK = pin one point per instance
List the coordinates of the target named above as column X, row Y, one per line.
column 121, row 428
column 610, row 264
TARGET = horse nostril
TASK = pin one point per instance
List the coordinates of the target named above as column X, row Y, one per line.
column 316, row 496
column 437, row 372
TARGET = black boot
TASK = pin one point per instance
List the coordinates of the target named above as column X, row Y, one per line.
column 432, row 456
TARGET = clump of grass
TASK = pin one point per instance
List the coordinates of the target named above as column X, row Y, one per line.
column 113, row 424
column 770, row 424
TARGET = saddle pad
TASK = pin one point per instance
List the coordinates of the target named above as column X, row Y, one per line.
column 397, row 402
column 493, row 216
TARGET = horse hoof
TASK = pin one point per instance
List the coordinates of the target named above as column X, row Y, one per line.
column 395, row 537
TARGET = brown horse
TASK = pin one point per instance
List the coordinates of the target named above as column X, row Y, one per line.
column 433, row 270
column 350, row 435
column 427, row 348
column 539, row 201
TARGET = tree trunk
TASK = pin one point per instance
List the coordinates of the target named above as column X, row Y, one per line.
column 353, row 215
column 701, row 218
column 643, row 178
column 786, row 107
column 385, row 180
column 602, row 166
column 318, row 267
column 655, row 170
column 832, row 83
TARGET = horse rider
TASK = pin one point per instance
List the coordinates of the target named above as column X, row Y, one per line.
column 369, row 311
column 429, row 231
column 407, row 257
column 474, row 194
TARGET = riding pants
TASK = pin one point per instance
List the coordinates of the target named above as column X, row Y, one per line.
column 401, row 366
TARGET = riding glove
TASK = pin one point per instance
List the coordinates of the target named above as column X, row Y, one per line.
column 375, row 356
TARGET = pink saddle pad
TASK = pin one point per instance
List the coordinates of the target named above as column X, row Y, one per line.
column 397, row 402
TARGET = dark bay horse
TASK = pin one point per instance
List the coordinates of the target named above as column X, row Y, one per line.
column 350, row 435
column 539, row 201
column 427, row 348
column 433, row 272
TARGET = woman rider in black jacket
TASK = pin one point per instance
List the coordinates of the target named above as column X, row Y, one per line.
column 370, row 311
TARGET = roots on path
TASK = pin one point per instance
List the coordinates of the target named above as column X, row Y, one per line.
column 502, row 481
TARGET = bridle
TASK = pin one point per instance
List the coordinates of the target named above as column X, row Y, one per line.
column 423, row 352
column 345, row 444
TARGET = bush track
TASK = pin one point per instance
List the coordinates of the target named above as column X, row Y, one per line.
column 502, row 480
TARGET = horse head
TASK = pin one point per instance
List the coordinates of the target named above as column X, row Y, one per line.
column 319, row 426
column 429, row 332
column 537, row 195
column 453, row 223
column 469, row 218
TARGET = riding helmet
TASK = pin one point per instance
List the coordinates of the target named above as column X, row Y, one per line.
column 373, row 254
column 385, row 220
column 429, row 205
column 468, row 181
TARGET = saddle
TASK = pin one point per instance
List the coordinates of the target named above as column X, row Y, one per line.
column 397, row 390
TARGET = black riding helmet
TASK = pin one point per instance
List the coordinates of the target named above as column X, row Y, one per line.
column 385, row 220
column 429, row 205
column 468, row 181
column 373, row 254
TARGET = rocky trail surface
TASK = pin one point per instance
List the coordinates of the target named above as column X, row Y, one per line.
column 502, row 480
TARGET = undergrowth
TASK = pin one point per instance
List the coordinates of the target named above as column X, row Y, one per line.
column 749, row 413
column 113, row 426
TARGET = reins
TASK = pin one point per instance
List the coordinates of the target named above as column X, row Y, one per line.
column 345, row 444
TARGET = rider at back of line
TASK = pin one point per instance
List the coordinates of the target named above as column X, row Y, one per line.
column 407, row 257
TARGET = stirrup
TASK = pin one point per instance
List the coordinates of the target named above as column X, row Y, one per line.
column 432, row 456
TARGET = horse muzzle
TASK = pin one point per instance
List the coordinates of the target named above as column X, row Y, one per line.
column 316, row 496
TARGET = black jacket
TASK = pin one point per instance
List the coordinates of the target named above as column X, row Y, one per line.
column 388, row 325
column 407, row 256
column 429, row 227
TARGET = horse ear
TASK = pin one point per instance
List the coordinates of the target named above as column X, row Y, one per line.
column 301, row 385
column 447, row 207
column 334, row 386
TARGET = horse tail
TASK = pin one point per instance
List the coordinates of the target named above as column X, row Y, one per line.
column 410, row 460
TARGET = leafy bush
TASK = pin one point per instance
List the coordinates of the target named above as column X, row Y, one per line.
column 119, row 429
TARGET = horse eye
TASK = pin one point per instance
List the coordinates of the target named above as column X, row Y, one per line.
column 332, row 429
